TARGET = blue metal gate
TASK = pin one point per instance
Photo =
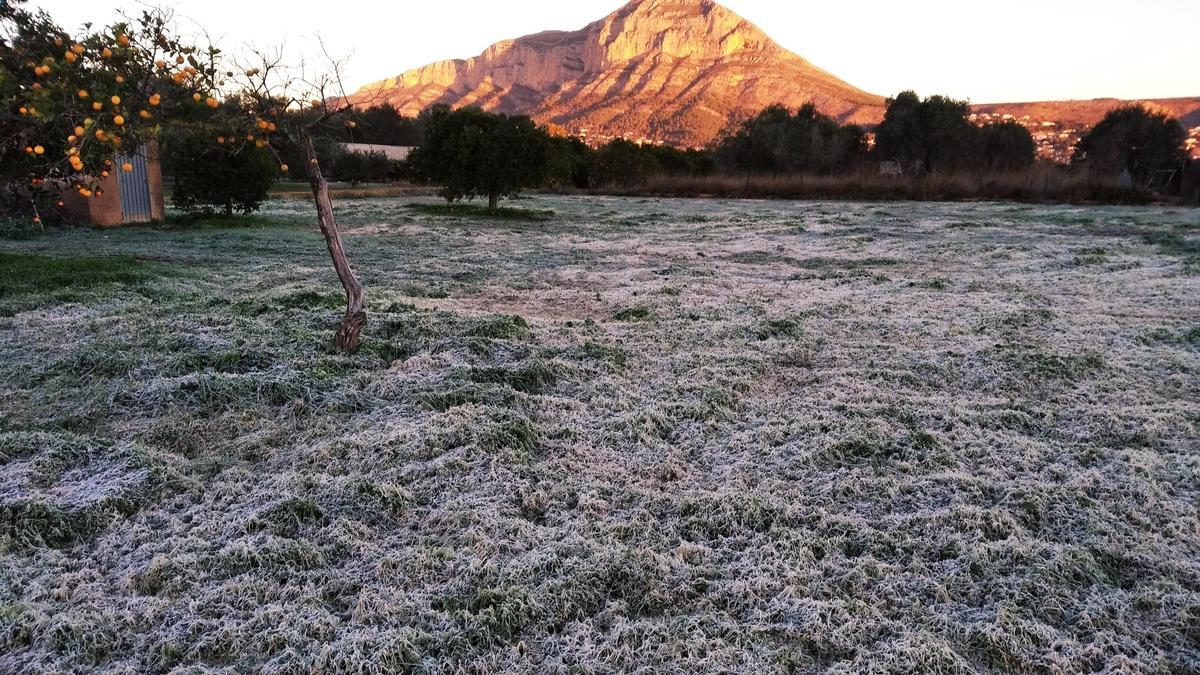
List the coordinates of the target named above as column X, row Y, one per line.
column 134, row 188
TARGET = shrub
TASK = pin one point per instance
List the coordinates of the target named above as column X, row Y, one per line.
column 208, row 176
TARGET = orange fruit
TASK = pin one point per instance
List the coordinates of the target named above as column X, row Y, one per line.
column 155, row 99
column 196, row 97
column 116, row 100
column 144, row 114
column 127, row 167
column 107, row 53
column 118, row 120
column 97, row 106
column 212, row 102
column 82, row 93
column 39, row 150
column 283, row 168
column 123, row 40
column 78, row 131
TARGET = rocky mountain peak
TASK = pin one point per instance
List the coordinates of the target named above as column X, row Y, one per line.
column 678, row 71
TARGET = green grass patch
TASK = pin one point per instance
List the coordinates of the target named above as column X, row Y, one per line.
column 1090, row 256
column 28, row 273
column 201, row 220
column 781, row 327
column 632, row 313
column 28, row 281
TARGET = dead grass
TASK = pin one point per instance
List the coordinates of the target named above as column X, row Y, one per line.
column 1039, row 185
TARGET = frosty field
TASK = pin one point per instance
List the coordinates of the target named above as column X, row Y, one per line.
column 630, row 436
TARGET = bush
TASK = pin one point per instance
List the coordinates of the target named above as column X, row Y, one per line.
column 358, row 167
column 208, row 176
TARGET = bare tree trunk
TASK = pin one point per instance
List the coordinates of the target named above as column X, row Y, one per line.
column 356, row 313
column 493, row 199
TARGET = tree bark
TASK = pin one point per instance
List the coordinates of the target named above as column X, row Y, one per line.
column 356, row 314
column 493, row 200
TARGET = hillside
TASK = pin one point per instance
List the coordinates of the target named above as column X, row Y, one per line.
column 676, row 71
column 672, row 70
column 1086, row 113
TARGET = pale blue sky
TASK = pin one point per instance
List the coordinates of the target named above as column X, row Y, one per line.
column 987, row 51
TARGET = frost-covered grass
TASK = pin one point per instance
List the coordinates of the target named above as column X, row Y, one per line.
column 639, row 436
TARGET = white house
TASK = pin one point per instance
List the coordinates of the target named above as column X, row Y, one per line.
column 396, row 153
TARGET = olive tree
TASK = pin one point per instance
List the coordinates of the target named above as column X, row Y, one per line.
column 473, row 153
column 1135, row 139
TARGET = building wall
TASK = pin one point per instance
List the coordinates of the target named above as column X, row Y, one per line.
column 396, row 153
column 105, row 210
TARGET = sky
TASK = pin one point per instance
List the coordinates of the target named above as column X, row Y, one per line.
column 987, row 51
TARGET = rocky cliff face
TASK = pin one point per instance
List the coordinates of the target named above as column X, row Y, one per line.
column 670, row 70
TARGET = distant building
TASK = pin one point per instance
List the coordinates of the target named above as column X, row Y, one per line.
column 396, row 153
column 124, row 196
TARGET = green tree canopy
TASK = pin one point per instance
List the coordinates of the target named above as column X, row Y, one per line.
column 777, row 141
column 1006, row 146
column 474, row 153
column 623, row 163
column 380, row 125
column 207, row 175
column 933, row 133
column 1132, row 138
column 360, row 167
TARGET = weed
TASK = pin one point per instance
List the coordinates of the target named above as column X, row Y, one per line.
column 632, row 313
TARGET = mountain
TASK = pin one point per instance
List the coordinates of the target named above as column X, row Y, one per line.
column 1086, row 113
column 677, row 71
column 681, row 71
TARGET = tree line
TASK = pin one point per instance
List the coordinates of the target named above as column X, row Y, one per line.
column 471, row 153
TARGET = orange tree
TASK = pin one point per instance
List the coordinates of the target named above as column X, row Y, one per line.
column 71, row 106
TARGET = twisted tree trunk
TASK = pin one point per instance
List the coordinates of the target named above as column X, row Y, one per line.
column 356, row 314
